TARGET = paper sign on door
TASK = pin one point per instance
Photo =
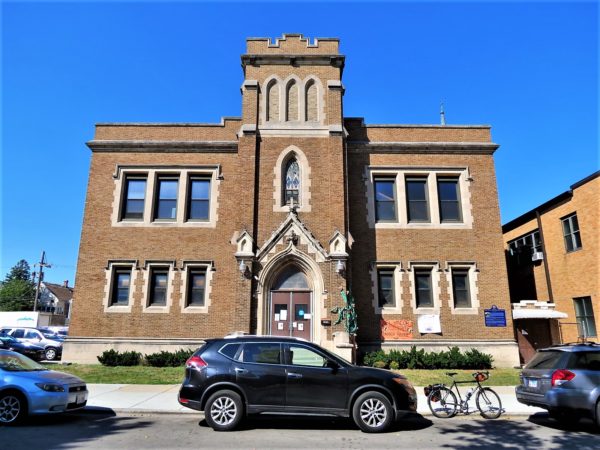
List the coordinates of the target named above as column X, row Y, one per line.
column 280, row 326
column 283, row 314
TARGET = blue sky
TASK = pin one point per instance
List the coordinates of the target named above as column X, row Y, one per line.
column 528, row 69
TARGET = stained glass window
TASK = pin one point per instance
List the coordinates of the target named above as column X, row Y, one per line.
column 292, row 182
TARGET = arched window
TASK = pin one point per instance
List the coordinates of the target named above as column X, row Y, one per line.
column 291, row 107
column 273, row 101
column 311, row 103
column 291, row 278
column 292, row 182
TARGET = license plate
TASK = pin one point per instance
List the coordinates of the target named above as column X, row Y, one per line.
column 80, row 398
column 532, row 383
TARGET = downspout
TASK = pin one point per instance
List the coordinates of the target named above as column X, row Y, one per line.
column 546, row 268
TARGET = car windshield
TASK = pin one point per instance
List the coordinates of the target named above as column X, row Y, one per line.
column 15, row 362
column 545, row 360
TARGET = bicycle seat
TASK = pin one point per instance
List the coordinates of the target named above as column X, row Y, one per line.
column 451, row 374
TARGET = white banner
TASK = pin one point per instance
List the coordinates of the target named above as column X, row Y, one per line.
column 429, row 323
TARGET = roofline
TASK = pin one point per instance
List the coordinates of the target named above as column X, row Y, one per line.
column 550, row 204
column 169, row 124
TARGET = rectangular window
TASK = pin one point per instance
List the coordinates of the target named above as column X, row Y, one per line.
column 571, row 233
column 385, row 199
column 196, row 287
column 159, row 279
column 135, row 193
column 385, row 283
column 416, row 199
column 460, row 288
column 198, row 199
column 166, row 205
column 585, row 316
column 424, row 295
column 449, row 199
column 120, row 288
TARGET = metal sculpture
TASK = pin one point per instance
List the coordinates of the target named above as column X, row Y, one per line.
column 347, row 313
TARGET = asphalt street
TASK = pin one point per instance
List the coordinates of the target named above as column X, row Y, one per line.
column 103, row 429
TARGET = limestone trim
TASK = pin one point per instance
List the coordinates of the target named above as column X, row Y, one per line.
column 151, row 173
column 290, row 227
column 305, row 180
column 109, row 273
column 280, row 125
column 473, row 276
column 467, row 148
column 400, row 174
column 145, row 146
column 434, row 267
column 398, row 294
column 147, row 271
column 271, row 268
column 209, row 268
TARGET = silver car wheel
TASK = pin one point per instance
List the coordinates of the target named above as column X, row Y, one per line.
column 373, row 412
column 50, row 354
column 10, row 407
column 223, row 411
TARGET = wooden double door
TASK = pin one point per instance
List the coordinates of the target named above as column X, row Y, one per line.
column 290, row 314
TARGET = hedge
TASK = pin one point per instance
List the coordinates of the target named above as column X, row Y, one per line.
column 162, row 359
column 453, row 358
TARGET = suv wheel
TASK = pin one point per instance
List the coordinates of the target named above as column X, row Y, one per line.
column 13, row 408
column 50, row 353
column 372, row 412
column 223, row 411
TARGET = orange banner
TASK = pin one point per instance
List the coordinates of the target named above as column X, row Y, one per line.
column 396, row 330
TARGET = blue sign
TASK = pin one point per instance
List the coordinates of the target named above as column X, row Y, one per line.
column 495, row 317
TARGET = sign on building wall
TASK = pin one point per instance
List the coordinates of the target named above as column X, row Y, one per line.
column 429, row 323
column 495, row 317
column 396, row 330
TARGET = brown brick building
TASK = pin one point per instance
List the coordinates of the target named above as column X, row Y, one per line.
column 553, row 259
column 257, row 223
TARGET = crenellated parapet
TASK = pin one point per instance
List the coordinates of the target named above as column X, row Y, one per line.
column 293, row 44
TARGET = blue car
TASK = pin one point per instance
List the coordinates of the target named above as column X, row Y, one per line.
column 27, row 388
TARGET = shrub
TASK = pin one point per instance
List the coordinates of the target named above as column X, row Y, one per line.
column 415, row 358
column 169, row 359
column 114, row 358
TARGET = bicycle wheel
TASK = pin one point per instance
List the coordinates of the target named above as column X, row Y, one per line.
column 442, row 403
column 488, row 403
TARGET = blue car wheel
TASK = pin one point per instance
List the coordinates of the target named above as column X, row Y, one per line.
column 13, row 408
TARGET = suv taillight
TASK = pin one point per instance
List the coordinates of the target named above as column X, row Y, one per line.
column 561, row 376
column 195, row 362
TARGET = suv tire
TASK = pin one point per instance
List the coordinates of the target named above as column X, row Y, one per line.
column 50, row 353
column 224, row 410
column 372, row 412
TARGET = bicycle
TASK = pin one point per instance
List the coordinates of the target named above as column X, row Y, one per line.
column 443, row 403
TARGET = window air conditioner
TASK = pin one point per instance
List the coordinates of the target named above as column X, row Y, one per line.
column 537, row 256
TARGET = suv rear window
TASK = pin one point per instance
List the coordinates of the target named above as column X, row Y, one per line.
column 585, row 361
column 229, row 350
column 545, row 360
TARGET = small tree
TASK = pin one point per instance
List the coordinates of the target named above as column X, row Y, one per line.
column 18, row 290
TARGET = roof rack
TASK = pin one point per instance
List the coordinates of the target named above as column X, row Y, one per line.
column 588, row 343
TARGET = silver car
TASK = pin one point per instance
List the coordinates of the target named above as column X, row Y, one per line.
column 564, row 380
column 52, row 347
column 28, row 388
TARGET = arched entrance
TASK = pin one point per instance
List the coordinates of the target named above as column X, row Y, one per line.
column 291, row 304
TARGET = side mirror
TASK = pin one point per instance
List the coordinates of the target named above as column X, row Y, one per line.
column 332, row 365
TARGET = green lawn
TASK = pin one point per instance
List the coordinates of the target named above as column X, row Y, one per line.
column 95, row 373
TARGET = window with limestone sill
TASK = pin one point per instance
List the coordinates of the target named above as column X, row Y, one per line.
column 197, row 195
column 189, row 286
column 383, row 268
column 470, row 269
column 110, row 302
column 150, row 287
column 416, row 272
column 434, row 180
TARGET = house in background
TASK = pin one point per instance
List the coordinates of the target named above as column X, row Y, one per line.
column 553, row 260
column 55, row 303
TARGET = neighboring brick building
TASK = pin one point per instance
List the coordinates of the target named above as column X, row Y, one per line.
column 553, row 259
column 257, row 223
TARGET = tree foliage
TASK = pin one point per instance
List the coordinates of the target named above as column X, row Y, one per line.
column 17, row 291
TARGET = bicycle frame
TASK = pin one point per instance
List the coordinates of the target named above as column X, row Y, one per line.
column 464, row 404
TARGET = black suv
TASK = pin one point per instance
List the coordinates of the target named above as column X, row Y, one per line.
column 232, row 377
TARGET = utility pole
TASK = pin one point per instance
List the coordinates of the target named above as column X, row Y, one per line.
column 42, row 264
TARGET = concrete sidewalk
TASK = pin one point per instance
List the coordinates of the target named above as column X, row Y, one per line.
column 146, row 398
